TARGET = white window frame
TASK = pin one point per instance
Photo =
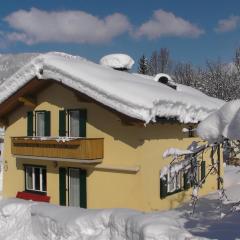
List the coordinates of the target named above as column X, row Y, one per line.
column 33, row 179
column 174, row 181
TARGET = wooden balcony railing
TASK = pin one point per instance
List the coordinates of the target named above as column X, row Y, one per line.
column 59, row 148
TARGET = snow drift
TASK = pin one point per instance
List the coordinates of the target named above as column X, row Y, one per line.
column 225, row 122
column 23, row 220
column 131, row 94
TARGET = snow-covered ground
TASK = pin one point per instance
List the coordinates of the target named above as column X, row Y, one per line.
column 21, row 219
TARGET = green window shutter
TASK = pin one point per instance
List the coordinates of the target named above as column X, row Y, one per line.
column 30, row 124
column 83, row 188
column 186, row 182
column 62, row 123
column 62, row 186
column 203, row 170
column 82, row 122
column 47, row 124
column 163, row 187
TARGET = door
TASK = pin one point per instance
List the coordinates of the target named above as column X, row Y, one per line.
column 77, row 188
column 74, row 187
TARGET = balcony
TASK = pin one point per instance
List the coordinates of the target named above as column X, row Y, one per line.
column 89, row 150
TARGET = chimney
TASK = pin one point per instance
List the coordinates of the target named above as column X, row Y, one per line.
column 118, row 61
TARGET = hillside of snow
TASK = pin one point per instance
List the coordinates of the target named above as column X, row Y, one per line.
column 23, row 220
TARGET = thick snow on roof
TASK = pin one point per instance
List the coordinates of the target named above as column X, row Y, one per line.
column 131, row 94
column 225, row 122
column 11, row 63
column 117, row 60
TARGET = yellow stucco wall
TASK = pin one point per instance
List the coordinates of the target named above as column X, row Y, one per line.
column 124, row 146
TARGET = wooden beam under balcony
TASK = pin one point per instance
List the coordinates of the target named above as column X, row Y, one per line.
column 77, row 148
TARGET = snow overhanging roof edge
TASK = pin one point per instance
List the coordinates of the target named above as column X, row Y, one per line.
column 56, row 66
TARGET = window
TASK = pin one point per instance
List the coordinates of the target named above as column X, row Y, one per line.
column 72, row 122
column 171, row 183
column 191, row 131
column 174, row 182
column 76, row 194
column 38, row 123
column 36, row 179
column 195, row 171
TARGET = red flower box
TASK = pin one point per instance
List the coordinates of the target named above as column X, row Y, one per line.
column 33, row 196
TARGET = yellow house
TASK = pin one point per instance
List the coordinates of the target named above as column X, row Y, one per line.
column 86, row 135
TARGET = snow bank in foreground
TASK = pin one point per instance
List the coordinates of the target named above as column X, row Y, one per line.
column 131, row 94
column 27, row 220
column 15, row 220
column 231, row 176
column 225, row 122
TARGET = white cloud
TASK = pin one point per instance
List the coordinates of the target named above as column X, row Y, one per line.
column 165, row 23
column 37, row 26
column 227, row 25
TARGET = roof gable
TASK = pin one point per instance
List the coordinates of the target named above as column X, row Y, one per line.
column 134, row 95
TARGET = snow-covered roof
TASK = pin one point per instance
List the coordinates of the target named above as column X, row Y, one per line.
column 134, row 95
column 117, row 60
column 11, row 63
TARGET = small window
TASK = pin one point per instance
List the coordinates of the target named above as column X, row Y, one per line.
column 73, row 121
column 182, row 180
column 35, row 179
column 195, row 171
column 191, row 131
column 40, row 124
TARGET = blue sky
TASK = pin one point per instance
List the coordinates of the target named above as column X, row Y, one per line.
column 193, row 30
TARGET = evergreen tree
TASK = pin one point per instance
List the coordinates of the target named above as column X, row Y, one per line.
column 143, row 67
